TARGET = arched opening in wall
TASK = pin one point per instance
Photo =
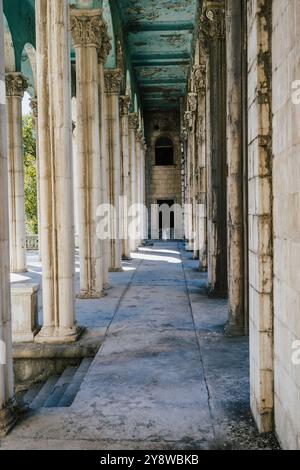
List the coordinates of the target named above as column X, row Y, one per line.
column 164, row 152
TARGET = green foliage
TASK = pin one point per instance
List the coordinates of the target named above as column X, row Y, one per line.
column 30, row 175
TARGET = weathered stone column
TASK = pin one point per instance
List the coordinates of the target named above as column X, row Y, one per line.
column 188, row 126
column 16, row 84
column 138, row 149
column 200, row 80
column 212, row 26
column 34, row 108
column 260, row 214
column 133, row 126
column 112, row 88
column 143, row 190
column 86, row 31
column 237, row 323
column 124, row 111
column 7, row 401
column 104, row 159
column 192, row 104
column 55, row 150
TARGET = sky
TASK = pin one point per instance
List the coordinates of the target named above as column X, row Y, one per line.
column 26, row 104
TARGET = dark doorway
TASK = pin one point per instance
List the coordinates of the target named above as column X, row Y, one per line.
column 164, row 152
column 167, row 223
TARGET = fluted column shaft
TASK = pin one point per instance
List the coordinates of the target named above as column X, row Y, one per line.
column 16, row 84
column 133, row 126
column 85, row 26
column 55, row 150
column 112, row 89
column 124, row 110
column 7, row 401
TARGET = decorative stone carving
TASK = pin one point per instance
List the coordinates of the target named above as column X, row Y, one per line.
column 188, row 120
column 192, row 101
column 133, row 121
column 112, row 80
column 16, row 84
column 86, row 27
column 199, row 72
column 184, row 134
column 140, row 135
column 212, row 22
column 124, row 105
column 34, row 107
column 105, row 47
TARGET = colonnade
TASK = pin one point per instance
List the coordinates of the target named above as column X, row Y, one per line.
column 109, row 158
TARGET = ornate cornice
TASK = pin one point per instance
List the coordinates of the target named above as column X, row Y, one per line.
column 16, row 84
column 86, row 27
column 124, row 105
column 192, row 101
column 212, row 22
column 133, row 121
column 112, row 80
column 199, row 72
column 34, row 107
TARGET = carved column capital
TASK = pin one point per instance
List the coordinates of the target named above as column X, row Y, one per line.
column 86, row 27
column 133, row 121
column 124, row 105
column 212, row 21
column 105, row 47
column 34, row 107
column 199, row 72
column 184, row 134
column 192, row 101
column 112, row 80
column 16, row 84
column 139, row 136
column 188, row 120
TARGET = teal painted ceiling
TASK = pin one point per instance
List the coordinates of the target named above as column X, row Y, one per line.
column 159, row 38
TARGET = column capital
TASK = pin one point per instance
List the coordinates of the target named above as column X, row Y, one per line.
column 106, row 46
column 124, row 105
column 212, row 21
column 34, row 107
column 139, row 135
column 133, row 121
column 112, row 80
column 199, row 73
column 192, row 101
column 16, row 84
column 188, row 120
column 86, row 27
column 184, row 134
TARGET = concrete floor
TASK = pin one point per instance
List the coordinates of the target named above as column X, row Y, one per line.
column 165, row 376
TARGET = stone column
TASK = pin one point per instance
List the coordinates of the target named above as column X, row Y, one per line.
column 188, row 126
column 124, row 111
column 16, row 84
column 133, row 126
column 212, row 26
column 138, row 147
column 143, row 190
column 237, row 323
column 192, row 103
column 104, row 160
column 200, row 81
column 7, row 400
column 34, row 107
column 55, row 150
column 112, row 88
column 86, row 31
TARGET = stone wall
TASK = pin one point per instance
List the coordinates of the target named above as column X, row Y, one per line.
column 286, row 188
column 163, row 182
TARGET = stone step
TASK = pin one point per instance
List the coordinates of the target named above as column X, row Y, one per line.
column 30, row 395
column 60, row 387
column 43, row 394
column 73, row 388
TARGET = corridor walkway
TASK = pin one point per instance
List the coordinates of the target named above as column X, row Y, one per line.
column 165, row 376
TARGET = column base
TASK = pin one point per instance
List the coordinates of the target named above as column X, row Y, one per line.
column 216, row 294
column 52, row 335
column 126, row 258
column 115, row 270
column 19, row 271
column 8, row 417
column 84, row 295
column 231, row 330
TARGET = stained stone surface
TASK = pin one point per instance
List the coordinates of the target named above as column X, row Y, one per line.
column 165, row 376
